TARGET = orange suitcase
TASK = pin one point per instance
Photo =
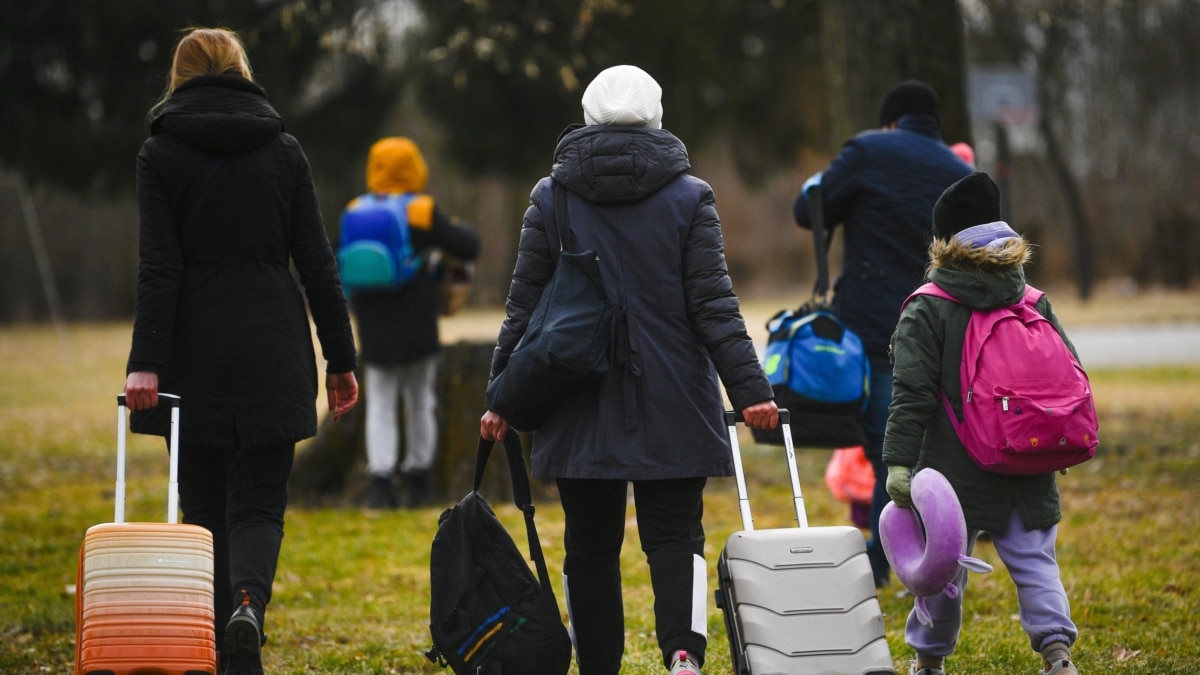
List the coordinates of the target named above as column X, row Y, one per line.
column 144, row 591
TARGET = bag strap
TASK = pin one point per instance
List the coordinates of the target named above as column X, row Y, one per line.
column 521, row 496
column 816, row 214
column 932, row 289
column 623, row 354
column 562, row 221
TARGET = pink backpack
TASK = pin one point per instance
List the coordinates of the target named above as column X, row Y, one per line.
column 1027, row 402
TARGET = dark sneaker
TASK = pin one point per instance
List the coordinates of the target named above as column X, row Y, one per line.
column 242, row 652
column 381, row 494
column 416, row 489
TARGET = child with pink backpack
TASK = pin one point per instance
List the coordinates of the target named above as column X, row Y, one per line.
column 989, row 392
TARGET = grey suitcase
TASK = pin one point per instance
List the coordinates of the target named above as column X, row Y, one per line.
column 798, row 599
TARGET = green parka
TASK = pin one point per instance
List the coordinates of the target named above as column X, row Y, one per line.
column 926, row 353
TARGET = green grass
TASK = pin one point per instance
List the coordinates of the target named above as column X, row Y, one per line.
column 352, row 590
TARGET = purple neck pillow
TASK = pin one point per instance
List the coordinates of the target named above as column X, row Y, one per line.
column 927, row 544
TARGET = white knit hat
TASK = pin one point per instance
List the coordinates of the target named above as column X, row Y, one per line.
column 623, row 96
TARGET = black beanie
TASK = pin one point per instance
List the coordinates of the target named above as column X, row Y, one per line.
column 974, row 200
column 910, row 98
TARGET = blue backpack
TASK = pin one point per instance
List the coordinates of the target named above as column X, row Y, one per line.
column 375, row 246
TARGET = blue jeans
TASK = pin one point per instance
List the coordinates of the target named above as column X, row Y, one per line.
column 876, row 423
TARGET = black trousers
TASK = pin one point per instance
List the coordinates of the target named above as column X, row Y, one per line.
column 669, row 514
column 240, row 495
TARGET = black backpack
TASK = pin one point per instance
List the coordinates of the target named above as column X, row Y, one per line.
column 488, row 614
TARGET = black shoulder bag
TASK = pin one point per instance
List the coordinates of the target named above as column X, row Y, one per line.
column 567, row 344
column 488, row 614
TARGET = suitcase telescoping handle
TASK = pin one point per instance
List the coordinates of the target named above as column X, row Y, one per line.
column 731, row 420
column 173, row 481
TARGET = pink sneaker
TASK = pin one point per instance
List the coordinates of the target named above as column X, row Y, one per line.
column 682, row 664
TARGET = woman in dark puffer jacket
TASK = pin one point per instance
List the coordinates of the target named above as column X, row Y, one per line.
column 656, row 419
column 226, row 205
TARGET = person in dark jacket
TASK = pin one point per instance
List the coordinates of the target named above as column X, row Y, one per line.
column 399, row 331
column 881, row 187
column 226, row 204
column 977, row 258
column 656, row 419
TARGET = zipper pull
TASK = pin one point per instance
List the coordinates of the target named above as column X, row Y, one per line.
column 969, row 392
column 1004, row 403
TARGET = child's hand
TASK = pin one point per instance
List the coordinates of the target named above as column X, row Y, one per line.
column 899, row 485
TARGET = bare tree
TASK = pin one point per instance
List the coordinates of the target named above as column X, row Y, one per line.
column 870, row 46
column 1117, row 100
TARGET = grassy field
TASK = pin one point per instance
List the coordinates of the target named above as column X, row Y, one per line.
column 351, row 596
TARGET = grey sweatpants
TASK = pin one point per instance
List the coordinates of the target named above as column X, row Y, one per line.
column 1045, row 613
column 385, row 387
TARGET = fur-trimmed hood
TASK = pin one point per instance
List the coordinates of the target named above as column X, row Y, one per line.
column 953, row 254
column 981, row 277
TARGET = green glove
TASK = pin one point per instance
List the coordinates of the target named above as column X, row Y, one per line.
column 899, row 485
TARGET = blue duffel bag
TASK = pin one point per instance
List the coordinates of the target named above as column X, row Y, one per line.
column 820, row 372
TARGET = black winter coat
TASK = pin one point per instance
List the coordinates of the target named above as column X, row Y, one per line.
column 658, row 414
column 226, row 202
column 882, row 187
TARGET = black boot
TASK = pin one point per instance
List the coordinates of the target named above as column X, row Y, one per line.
column 242, row 651
column 381, row 494
column 416, row 489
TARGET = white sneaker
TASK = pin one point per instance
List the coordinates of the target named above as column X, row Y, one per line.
column 913, row 670
column 682, row 664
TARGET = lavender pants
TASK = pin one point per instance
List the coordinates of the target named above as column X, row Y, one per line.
column 1045, row 613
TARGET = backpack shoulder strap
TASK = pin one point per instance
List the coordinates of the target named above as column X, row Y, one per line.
column 397, row 202
column 1032, row 295
column 929, row 288
column 936, row 291
column 562, row 221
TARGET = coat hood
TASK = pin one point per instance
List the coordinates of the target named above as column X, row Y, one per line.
column 616, row 164
column 221, row 114
column 981, row 277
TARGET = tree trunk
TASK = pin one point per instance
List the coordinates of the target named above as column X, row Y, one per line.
column 330, row 466
column 870, row 46
column 331, row 469
column 1056, row 39
column 462, row 380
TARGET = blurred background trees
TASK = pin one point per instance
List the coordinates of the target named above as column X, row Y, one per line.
column 1084, row 111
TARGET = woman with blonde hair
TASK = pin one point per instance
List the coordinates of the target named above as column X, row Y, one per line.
column 227, row 207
